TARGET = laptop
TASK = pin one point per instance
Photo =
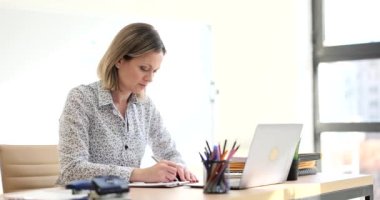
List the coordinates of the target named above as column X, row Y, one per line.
column 270, row 155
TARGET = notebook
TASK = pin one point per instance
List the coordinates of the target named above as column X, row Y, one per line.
column 270, row 155
column 159, row 184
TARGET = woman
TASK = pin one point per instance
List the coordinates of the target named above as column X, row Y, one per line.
column 105, row 126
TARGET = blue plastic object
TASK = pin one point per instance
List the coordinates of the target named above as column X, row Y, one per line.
column 80, row 185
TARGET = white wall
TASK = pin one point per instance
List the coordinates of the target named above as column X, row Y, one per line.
column 262, row 67
column 261, row 55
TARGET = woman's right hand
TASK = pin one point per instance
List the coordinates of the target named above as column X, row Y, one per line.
column 163, row 171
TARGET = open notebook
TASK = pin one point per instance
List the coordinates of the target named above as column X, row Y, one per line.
column 160, row 184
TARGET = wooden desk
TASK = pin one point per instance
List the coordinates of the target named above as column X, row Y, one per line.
column 318, row 187
column 328, row 186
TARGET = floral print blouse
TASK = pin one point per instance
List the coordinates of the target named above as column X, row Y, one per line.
column 94, row 139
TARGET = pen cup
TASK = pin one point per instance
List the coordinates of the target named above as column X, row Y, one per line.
column 215, row 176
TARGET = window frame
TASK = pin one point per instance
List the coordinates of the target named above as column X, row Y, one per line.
column 321, row 53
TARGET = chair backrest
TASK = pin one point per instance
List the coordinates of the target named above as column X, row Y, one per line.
column 28, row 166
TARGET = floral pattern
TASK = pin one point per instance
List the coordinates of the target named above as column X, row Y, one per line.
column 94, row 139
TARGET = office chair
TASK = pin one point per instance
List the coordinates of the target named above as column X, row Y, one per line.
column 28, row 166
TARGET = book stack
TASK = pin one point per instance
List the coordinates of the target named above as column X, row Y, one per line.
column 308, row 163
column 237, row 164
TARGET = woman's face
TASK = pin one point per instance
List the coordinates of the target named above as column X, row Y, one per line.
column 135, row 74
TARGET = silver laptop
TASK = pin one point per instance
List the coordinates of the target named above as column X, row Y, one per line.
column 270, row 155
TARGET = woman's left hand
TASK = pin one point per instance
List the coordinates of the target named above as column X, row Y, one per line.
column 184, row 174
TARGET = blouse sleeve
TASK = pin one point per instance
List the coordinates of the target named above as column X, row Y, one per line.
column 73, row 145
column 163, row 146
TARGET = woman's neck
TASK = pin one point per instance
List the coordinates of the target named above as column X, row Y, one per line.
column 120, row 97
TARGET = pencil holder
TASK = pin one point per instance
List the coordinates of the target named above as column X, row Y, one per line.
column 215, row 177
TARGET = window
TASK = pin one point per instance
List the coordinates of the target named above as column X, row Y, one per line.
column 348, row 92
column 346, row 68
column 351, row 22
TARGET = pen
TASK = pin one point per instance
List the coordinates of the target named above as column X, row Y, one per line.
column 157, row 160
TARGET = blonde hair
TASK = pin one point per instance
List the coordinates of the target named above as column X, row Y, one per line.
column 132, row 41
